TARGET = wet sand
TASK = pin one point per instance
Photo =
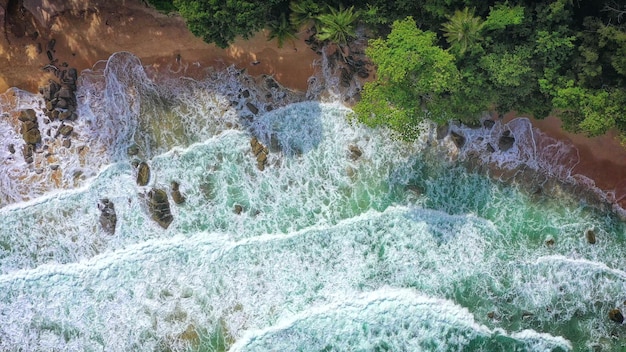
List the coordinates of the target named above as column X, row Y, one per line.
column 86, row 32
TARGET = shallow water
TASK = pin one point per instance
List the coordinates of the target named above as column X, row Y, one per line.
column 398, row 249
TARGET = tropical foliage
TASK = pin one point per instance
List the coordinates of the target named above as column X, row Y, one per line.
column 562, row 57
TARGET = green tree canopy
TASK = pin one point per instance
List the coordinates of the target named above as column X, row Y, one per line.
column 415, row 78
column 220, row 22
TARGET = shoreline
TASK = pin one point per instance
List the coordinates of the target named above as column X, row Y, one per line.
column 85, row 34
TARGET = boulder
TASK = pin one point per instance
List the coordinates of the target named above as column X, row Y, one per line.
column 28, row 115
column 67, row 143
column 238, row 209
column 256, row 146
column 65, row 130
column 245, row 93
column 108, row 218
column 32, row 136
column 490, row 148
column 12, row 148
column 355, row 152
column 177, row 197
column 253, row 109
column 458, row 139
column 489, row 123
column 590, row 235
column 616, row 316
column 143, row 173
column 159, row 207
column 261, row 157
column 506, row 141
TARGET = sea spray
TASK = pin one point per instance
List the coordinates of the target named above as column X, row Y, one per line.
column 343, row 218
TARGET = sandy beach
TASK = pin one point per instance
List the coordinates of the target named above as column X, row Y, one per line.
column 83, row 33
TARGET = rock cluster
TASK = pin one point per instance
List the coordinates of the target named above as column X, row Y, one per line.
column 30, row 133
column 260, row 151
column 60, row 93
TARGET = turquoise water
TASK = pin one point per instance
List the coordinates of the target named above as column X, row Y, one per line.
column 399, row 249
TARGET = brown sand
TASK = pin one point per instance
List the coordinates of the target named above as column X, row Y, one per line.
column 602, row 158
column 86, row 32
column 89, row 31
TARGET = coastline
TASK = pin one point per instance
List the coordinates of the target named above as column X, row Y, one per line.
column 87, row 33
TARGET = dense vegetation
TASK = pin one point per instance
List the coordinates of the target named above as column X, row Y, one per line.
column 453, row 59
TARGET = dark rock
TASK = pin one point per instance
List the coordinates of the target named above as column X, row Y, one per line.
column 355, row 152
column 490, row 148
column 54, row 167
column 72, row 74
column 67, row 143
column 346, row 77
column 489, row 123
column 177, row 197
column 64, row 115
column 590, row 235
column 32, row 136
column 506, row 142
column 253, row 109
column 65, row 92
column 271, row 83
column 458, row 139
column 238, row 209
column 245, row 93
column 50, row 56
column 108, row 218
column 549, row 242
column 616, row 316
column 62, row 103
column 159, row 207
column 65, row 130
column 442, row 131
column 12, row 148
column 28, row 115
column 143, row 173
column 363, row 73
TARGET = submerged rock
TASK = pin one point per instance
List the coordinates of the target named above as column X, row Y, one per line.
column 159, row 207
column 616, row 316
column 108, row 218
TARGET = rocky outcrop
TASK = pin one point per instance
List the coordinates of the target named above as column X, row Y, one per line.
column 260, row 151
column 143, row 173
column 30, row 133
column 108, row 218
column 159, row 207
column 177, row 197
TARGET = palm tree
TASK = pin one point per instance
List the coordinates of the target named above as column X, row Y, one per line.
column 281, row 30
column 462, row 30
column 338, row 26
column 304, row 13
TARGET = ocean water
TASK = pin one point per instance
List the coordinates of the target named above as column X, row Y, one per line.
column 400, row 248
